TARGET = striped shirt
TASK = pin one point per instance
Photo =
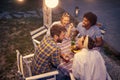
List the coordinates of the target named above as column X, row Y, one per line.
column 47, row 56
column 65, row 46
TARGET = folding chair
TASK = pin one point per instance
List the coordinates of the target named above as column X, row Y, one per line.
column 40, row 32
column 23, row 61
column 71, row 76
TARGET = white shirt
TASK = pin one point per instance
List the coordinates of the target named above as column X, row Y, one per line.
column 89, row 65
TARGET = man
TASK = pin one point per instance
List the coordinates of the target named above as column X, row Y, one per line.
column 65, row 22
column 88, row 63
column 47, row 58
column 88, row 27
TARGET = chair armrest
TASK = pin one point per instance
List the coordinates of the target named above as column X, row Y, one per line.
column 42, row 75
column 28, row 56
column 71, row 76
column 36, row 41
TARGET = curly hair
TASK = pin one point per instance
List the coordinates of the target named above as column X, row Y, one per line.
column 91, row 17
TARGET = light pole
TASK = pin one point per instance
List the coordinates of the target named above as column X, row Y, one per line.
column 47, row 11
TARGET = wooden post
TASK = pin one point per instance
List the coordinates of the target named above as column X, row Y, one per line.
column 47, row 15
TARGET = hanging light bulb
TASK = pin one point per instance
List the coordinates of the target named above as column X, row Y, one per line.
column 20, row 1
column 51, row 3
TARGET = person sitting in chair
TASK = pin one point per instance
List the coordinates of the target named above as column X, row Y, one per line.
column 66, row 43
column 88, row 27
column 88, row 63
column 47, row 57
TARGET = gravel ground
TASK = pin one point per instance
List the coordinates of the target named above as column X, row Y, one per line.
column 112, row 66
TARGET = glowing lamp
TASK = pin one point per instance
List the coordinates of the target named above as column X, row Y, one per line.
column 51, row 3
column 20, row 0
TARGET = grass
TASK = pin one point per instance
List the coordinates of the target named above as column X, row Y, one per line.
column 15, row 34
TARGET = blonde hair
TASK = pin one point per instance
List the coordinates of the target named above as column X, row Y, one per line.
column 65, row 14
column 85, row 44
column 88, row 42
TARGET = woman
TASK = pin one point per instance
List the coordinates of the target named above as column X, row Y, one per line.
column 88, row 64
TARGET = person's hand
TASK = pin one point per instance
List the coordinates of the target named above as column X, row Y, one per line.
column 65, row 57
column 99, row 25
column 69, row 30
column 71, row 25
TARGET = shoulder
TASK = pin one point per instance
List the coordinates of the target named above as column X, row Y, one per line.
column 79, row 24
column 50, row 42
column 56, row 22
column 95, row 53
column 96, row 27
column 82, row 52
column 81, row 57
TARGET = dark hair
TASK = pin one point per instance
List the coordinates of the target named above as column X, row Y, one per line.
column 56, row 30
column 91, row 17
column 91, row 43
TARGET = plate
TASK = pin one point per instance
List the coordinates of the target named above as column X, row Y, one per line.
column 76, row 51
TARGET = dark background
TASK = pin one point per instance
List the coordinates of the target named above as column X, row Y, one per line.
column 13, row 5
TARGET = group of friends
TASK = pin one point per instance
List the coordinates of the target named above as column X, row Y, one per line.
column 88, row 63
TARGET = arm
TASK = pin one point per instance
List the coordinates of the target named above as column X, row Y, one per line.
column 55, row 58
column 76, row 67
column 98, row 39
column 69, row 30
column 74, row 70
column 79, row 64
column 79, row 30
column 75, row 33
column 99, row 42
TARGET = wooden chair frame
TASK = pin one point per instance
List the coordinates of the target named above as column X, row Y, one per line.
column 23, row 59
column 36, row 33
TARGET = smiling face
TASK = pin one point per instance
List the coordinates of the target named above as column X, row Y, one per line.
column 89, row 19
column 65, row 20
column 86, row 23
